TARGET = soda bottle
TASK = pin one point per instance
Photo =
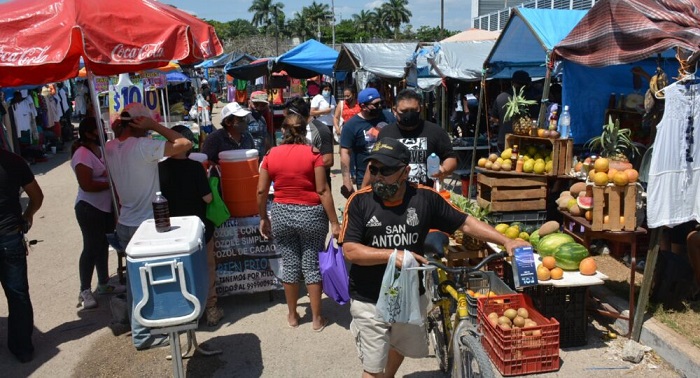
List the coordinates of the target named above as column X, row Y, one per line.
column 565, row 123
column 433, row 164
column 514, row 156
column 161, row 213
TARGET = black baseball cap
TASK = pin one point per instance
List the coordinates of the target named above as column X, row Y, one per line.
column 390, row 152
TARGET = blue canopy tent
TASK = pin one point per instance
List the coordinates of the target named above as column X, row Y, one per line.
column 235, row 59
column 526, row 43
column 176, row 77
column 303, row 61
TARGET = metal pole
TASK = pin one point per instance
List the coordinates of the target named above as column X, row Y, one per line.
column 442, row 14
column 333, row 24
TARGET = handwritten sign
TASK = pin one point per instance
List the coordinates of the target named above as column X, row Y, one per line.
column 245, row 261
column 153, row 80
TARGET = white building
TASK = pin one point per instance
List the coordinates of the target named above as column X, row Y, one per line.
column 493, row 14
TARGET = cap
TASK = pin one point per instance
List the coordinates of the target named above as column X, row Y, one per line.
column 389, row 152
column 368, row 95
column 45, row 91
column 204, row 82
column 134, row 110
column 259, row 96
column 235, row 109
column 521, row 77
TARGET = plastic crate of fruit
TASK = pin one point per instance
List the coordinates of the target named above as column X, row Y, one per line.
column 519, row 339
column 478, row 287
column 568, row 306
column 531, row 219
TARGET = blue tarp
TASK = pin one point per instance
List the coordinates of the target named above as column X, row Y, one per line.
column 306, row 60
column 176, row 77
column 528, row 38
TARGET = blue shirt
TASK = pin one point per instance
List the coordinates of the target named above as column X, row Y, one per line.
column 359, row 136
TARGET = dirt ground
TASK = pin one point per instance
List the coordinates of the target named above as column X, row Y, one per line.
column 681, row 315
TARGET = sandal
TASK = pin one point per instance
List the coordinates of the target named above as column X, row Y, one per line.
column 323, row 326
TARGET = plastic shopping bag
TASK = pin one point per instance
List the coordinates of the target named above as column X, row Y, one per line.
column 217, row 212
column 399, row 298
column 334, row 274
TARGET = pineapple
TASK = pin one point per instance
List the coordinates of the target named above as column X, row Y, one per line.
column 613, row 143
column 516, row 110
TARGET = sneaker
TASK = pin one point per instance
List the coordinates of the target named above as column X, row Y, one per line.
column 87, row 299
column 214, row 315
column 110, row 289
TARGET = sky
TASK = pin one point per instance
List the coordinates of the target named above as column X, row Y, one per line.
column 425, row 12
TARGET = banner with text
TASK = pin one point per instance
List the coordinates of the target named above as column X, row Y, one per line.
column 124, row 92
column 245, row 261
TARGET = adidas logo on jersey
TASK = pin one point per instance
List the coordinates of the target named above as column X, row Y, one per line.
column 374, row 222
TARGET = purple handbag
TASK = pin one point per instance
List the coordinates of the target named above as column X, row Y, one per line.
column 334, row 274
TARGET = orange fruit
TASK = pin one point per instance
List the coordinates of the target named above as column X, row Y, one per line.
column 578, row 167
column 622, row 219
column 632, row 175
column 601, row 165
column 587, row 266
column 611, row 174
column 591, row 174
column 620, row 179
column 557, row 273
column 601, row 178
column 606, row 219
column 589, row 215
column 540, row 133
column 543, row 273
column 549, row 262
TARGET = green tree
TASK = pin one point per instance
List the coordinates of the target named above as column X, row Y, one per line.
column 433, row 34
column 365, row 24
column 346, row 32
column 265, row 13
column 395, row 13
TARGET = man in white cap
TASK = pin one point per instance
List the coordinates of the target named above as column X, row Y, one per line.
column 232, row 135
column 132, row 159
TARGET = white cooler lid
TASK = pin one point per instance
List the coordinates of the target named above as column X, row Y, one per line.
column 236, row 155
column 185, row 235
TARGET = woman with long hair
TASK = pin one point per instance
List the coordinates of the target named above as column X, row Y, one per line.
column 347, row 109
column 299, row 216
column 93, row 210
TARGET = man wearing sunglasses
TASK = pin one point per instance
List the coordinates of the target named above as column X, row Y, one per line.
column 357, row 138
column 392, row 213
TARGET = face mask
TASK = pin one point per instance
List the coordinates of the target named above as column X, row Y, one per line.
column 409, row 119
column 385, row 191
column 326, row 94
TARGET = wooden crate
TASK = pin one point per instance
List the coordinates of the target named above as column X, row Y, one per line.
column 511, row 191
column 458, row 255
column 615, row 201
column 562, row 151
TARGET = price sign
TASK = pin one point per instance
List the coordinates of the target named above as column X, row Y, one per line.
column 124, row 92
column 524, row 271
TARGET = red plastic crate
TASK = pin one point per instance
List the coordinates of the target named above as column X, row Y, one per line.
column 519, row 351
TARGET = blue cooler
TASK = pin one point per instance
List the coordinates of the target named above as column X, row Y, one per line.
column 168, row 273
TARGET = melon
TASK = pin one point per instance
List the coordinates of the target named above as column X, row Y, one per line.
column 569, row 255
column 549, row 244
column 584, row 203
column 577, row 188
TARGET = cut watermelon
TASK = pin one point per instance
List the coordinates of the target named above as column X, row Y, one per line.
column 584, row 203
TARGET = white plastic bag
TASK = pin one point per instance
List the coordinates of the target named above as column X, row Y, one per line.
column 399, row 298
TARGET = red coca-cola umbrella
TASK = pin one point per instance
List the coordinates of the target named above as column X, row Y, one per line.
column 42, row 41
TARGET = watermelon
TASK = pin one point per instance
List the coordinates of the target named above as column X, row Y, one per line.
column 550, row 243
column 569, row 255
column 584, row 203
column 535, row 238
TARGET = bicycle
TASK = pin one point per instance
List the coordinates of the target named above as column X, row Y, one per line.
column 455, row 340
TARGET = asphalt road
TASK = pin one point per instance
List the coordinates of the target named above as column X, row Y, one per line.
column 253, row 335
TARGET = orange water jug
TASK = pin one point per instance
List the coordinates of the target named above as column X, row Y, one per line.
column 239, row 181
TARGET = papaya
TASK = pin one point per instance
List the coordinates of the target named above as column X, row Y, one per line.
column 569, row 255
column 550, row 243
column 577, row 188
column 549, row 228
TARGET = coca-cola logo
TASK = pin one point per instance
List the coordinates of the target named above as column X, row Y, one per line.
column 150, row 51
column 206, row 48
column 24, row 56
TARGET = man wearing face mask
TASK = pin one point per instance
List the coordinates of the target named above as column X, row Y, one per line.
column 232, row 135
column 422, row 138
column 358, row 137
column 392, row 213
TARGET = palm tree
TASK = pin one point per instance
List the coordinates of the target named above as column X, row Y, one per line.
column 265, row 12
column 300, row 26
column 364, row 21
column 396, row 13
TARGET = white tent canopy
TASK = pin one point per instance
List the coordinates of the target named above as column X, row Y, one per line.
column 386, row 60
column 460, row 60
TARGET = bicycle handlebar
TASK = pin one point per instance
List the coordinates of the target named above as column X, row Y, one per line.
column 466, row 269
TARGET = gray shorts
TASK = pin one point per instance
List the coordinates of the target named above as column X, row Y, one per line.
column 374, row 338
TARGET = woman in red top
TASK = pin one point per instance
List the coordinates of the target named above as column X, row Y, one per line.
column 300, row 212
column 347, row 109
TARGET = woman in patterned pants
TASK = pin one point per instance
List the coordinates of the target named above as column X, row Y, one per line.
column 300, row 212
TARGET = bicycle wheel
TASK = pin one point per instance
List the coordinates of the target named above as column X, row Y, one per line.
column 436, row 335
column 472, row 360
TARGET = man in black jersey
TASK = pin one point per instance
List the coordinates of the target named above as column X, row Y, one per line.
column 389, row 214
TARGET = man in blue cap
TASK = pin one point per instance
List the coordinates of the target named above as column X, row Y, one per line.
column 358, row 137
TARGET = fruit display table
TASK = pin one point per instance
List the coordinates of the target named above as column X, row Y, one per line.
column 581, row 230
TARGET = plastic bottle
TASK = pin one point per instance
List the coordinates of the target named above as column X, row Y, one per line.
column 565, row 123
column 161, row 213
column 553, row 119
column 514, row 156
column 433, row 164
column 519, row 164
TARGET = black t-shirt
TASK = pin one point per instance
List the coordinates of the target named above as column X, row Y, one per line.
column 323, row 141
column 183, row 182
column 371, row 222
column 14, row 174
column 421, row 142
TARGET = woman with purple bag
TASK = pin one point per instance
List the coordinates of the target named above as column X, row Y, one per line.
column 299, row 215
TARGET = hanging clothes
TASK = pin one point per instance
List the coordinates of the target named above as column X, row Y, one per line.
column 673, row 192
